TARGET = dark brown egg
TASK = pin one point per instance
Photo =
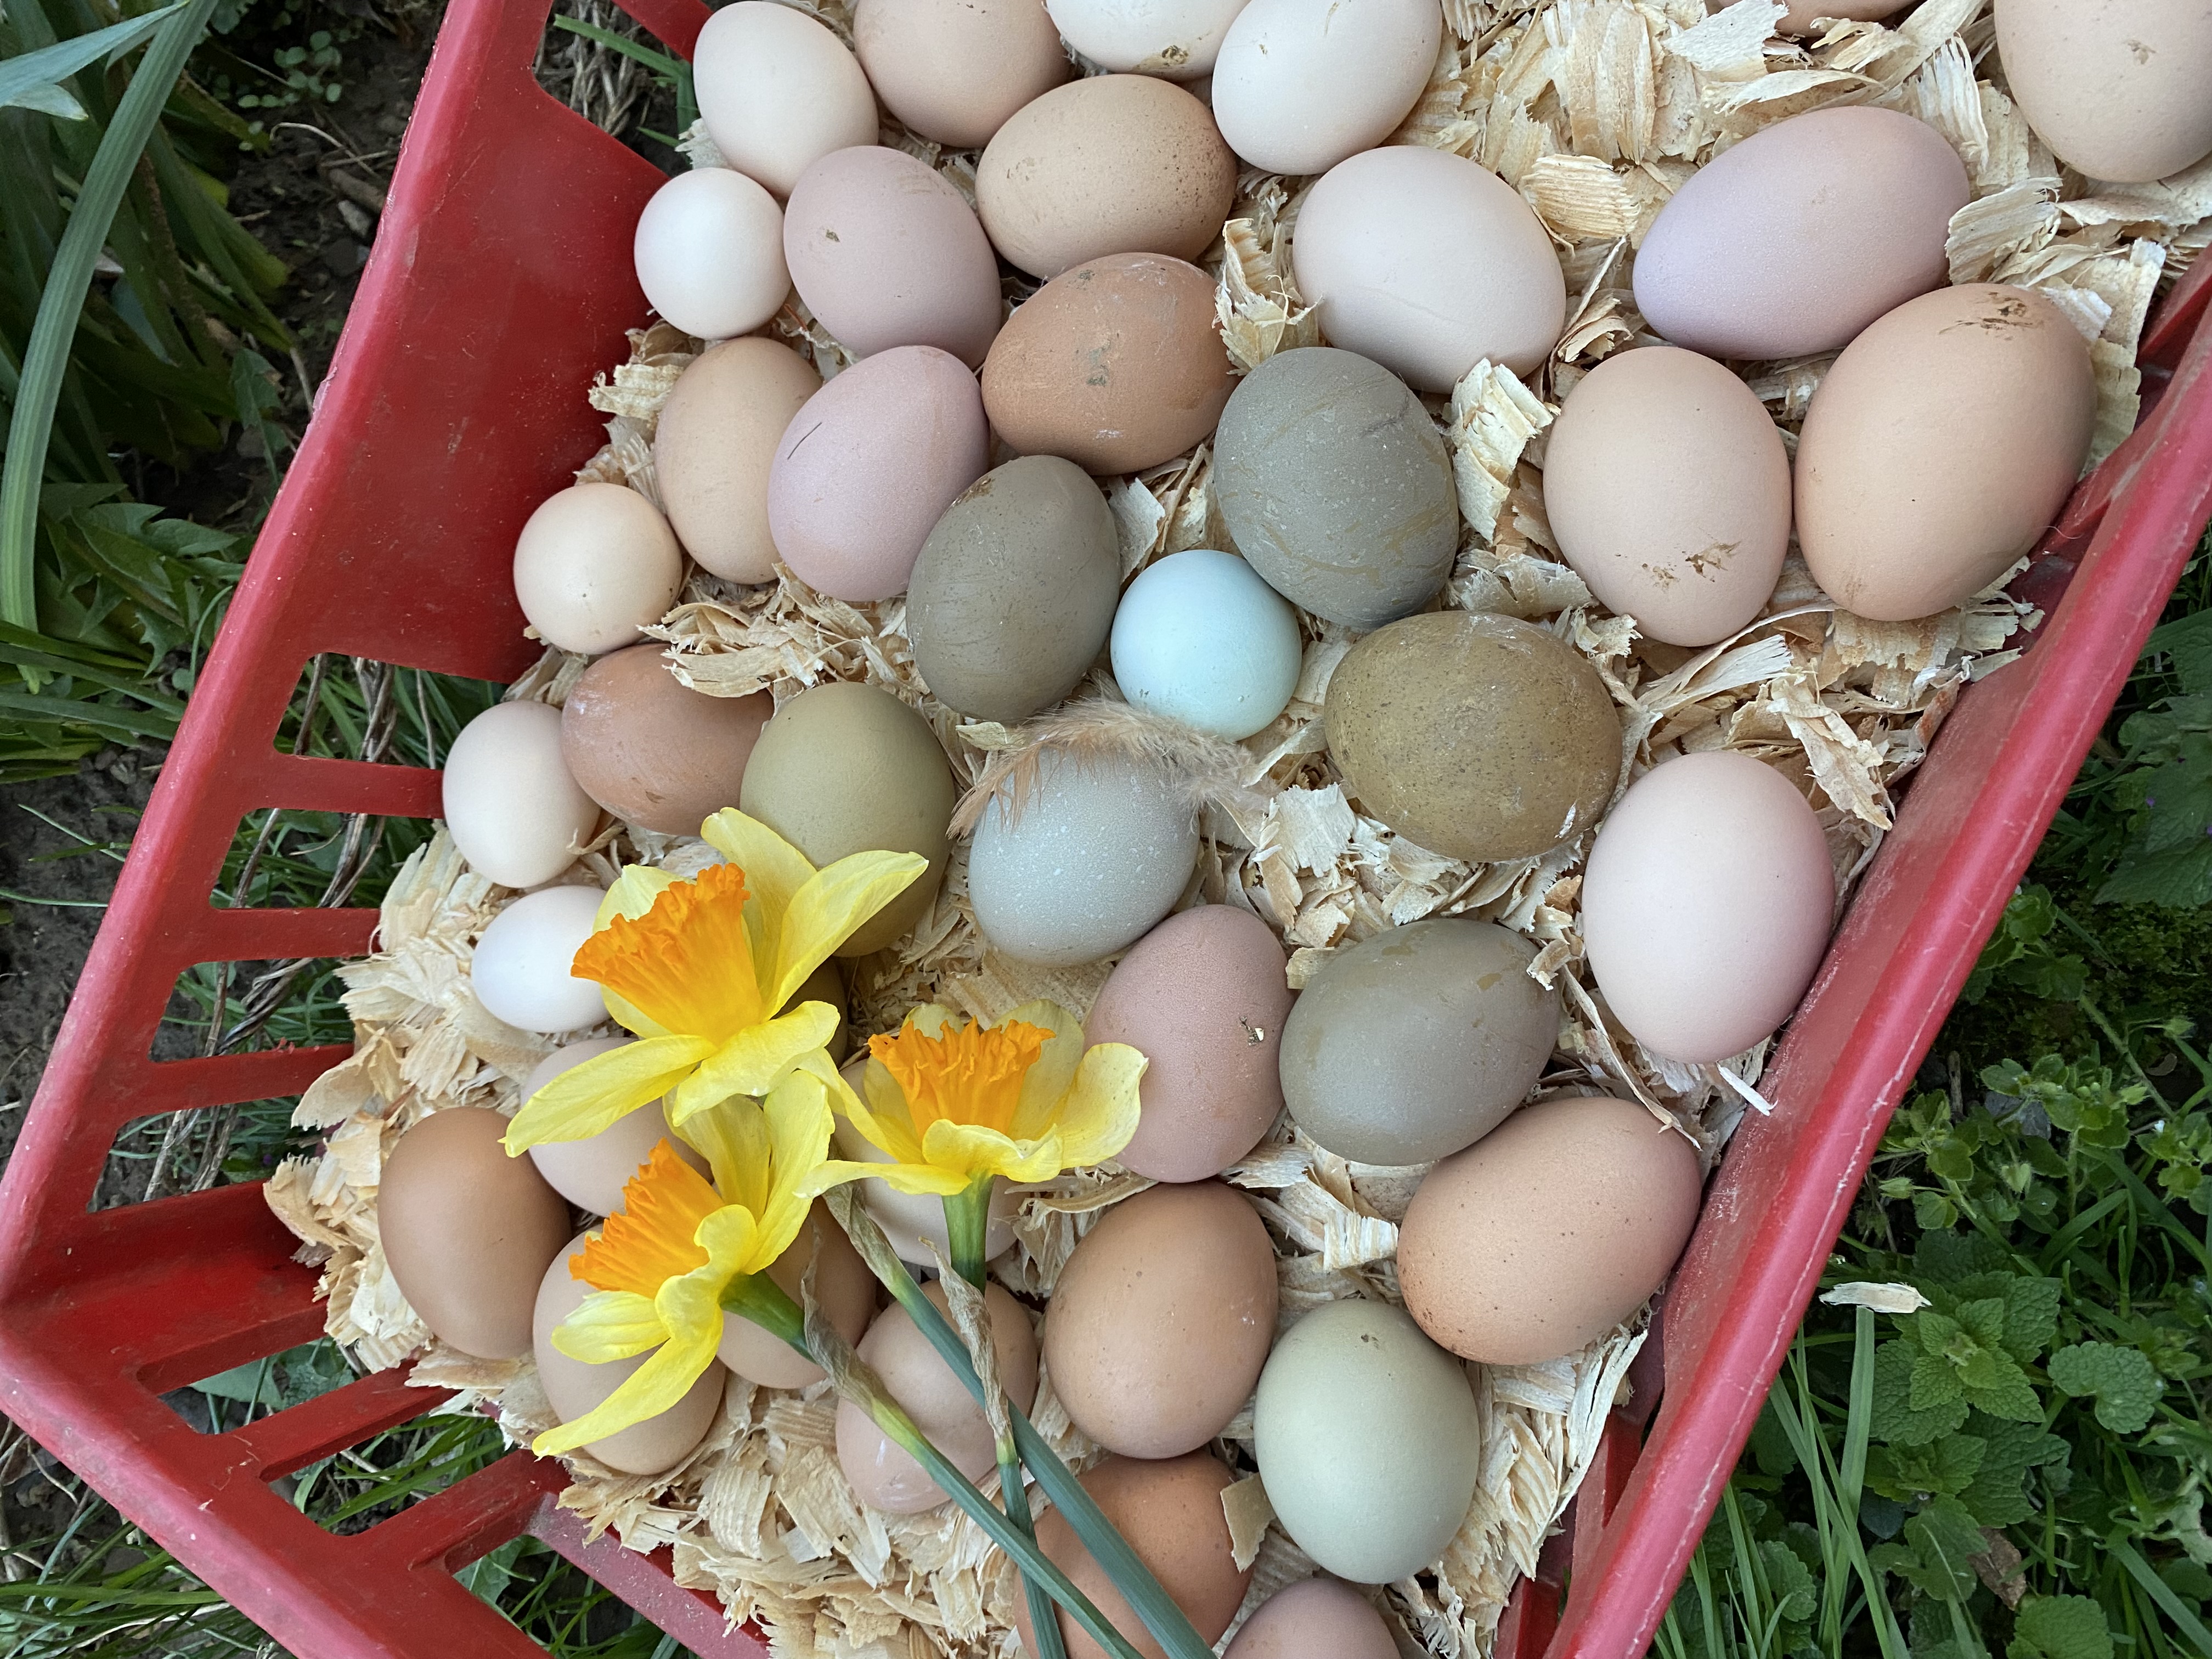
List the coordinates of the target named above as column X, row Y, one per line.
column 649, row 749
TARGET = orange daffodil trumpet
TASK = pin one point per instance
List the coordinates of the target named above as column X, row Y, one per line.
column 702, row 971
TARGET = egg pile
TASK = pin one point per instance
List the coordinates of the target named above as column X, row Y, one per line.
column 957, row 491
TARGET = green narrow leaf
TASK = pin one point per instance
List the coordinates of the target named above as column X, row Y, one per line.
column 29, row 80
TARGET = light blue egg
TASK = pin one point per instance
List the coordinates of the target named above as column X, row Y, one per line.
column 1200, row 639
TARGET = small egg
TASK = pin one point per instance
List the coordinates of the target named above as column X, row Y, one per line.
column 1203, row 997
column 651, row 750
column 520, row 968
column 594, row 564
column 1085, row 863
column 869, row 465
column 1367, row 1440
column 886, row 252
column 1116, row 364
column 1417, row 1041
column 912, row 1222
column 843, row 1285
column 1301, row 84
column 1200, row 639
column 467, row 1230
column 1706, row 905
column 1178, row 39
column 1013, row 594
column 1426, row 262
column 953, row 70
column 576, row 1387
column 1162, row 1318
column 1113, row 164
column 2120, row 89
column 590, row 1173
column 883, row 1474
column 714, row 446
column 514, row 809
column 847, row 768
column 778, row 91
column 1548, row 1231
column 1170, row 1512
column 710, row 253
column 1313, row 1618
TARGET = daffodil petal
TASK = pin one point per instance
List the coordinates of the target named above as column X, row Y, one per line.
column 830, row 908
column 798, row 1126
column 1099, row 1116
column 885, row 1122
column 735, row 1245
column 655, row 1386
column 631, row 1017
column 611, row 1325
column 1051, row 1076
column 973, row 1150
column 732, row 1135
column 633, row 893
column 589, row 1097
column 775, row 871
column 930, row 1019
column 751, row 1062
column 902, row 1177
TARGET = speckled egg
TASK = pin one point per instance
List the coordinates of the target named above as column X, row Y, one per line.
column 515, row 811
column 714, row 446
column 651, row 750
column 953, row 70
column 1313, row 1618
column 778, row 91
column 590, row 1173
column 594, row 564
column 1176, row 39
column 843, row 1285
column 520, row 968
column 1200, row 639
column 2120, row 89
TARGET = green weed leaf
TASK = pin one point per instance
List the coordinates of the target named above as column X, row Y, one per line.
column 2123, row 1381
column 1896, row 1420
column 2060, row 1627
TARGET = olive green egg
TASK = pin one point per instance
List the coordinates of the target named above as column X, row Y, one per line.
column 1480, row 737
column 1013, row 596
column 1417, row 1042
column 1336, row 486
column 845, row 769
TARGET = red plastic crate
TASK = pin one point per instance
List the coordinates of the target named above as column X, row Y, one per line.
column 500, row 283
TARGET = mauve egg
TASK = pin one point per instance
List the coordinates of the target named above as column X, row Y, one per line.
column 1301, row 84
column 868, row 466
column 1706, row 904
column 1178, row 39
column 651, row 750
column 778, row 91
column 1313, row 1618
column 1203, row 997
column 1792, row 241
column 712, row 448
column 594, row 564
column 514, row 809
column 709, row 253
column 843, row 1285
column 520, row 968
column 2120, row 89
column 590, row 1173
column 886, row 252
column 953, row 70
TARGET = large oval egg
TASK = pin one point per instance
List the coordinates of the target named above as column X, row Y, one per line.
column 712, row 448
column 515, row 811
column 1313, row 1618
column 1426, row 262
column 521, row 969
column 595, row 563
column 1200, row 639
column 1301, row 84
column 953, row 70
column 1939, row 447
column 1706, row 905
column 778, row 91
column 1792, row 241
column 467, row 1230
column 1176, row 39
column 591, row 1173
column 2120, row 89
column 1667, row 487
column 1367, row 1440
column 650, row 749
column 709, row 253
column 842, row 1285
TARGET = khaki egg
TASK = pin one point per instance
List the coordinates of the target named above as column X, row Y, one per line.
column 778, row 91
column 2120, row 89
column 590, row 1173
column 1114, row 164
column 1012, row 597
column 1313, row 1618
column 1116, row 364
column 1170, row 1512
column 1162, row 1318
column 576, row 1387
column 595, row 563
column 844, row 768
column 712, row 448
column 1480, row 737
column 884, row 1475
column 843, row 1285
column 1939, row 447
column 954, row 70
column 651, row 750
column 515, row 811
column 468, row 1230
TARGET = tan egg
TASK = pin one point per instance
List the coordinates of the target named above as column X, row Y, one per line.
column 954, row 70
column 886, row 252
column 1203, row 997
column 576, row 1387
column 843, row 1284
column 843, row 768
column 468, row 1230
column 651, row 750
column 1939, row 447
column 1170, row 1512
column 1162, row 1318
column 521, row 969
column 1301, row 84
column 884, row 1475
column 1114, row 164
column 712, row 448
column 1550, row 1230
column 596, row 564
column 709, row 253
column 1313, row 1618
column 1803, row 16
column 1116, row 364
column 778, row 91
column 515, row 811
column 2120, row 89
column 1667, row 487
column 590, row 1173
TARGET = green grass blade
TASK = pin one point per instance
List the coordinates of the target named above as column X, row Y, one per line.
column 2159, row 1591
column 659, row 61
column 26, row 79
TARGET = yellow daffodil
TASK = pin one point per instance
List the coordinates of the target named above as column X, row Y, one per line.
column 701, row 970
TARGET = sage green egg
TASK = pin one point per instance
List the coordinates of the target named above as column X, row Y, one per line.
column 1012, row 597
column 1480, row 737
column 1336, row 486
column 1367, row 1441
column 1411, row 1044
column 846, row 768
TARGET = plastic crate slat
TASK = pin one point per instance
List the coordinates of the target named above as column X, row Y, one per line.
column 471, row 1517
column 317, row 783
column 288, row 1441
column 692, row 1618
column 254, row 935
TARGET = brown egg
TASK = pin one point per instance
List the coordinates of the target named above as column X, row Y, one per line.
column 1548, row 1231
column 649, row 749
column 468, row 1230
column 884, row 1474
column 1114, row 164
column 1313, row 1618
column 953, row 70
column 712, row 449
column 575, row 1387
column 1203, row 997
column 847, row 1290
column 1162, row 1319
column 1117, row 365
column 1169, row 1511
column 2120, row 89
column 1804, row 15
column 1940, row 446
column 590, row 1173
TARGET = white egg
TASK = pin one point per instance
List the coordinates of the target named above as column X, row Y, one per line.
column 521, row 967
column 710, row 253
column 1200, row 639
column 913, row 1221
column 778, row 92
column 513, row 811
column 1176, row 39
column 1301, row 84
column 595, row 563
column 591, row 1172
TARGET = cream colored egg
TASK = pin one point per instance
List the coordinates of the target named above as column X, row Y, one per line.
column 514, row 811
column 520, row 968
column 594, row 564
column 2120, row 89
column 778, row 91
column 1301, row 84
column 953, row 70
column 709, row 252
column 590, row 1173
column 714, row 446
column 1177, row 39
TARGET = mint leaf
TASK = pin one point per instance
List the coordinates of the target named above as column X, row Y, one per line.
column 2000, row 1387
column 2031, row 1316
column 1935, row 1384
column 1796, row 1597
column 2060, row 1627
column 1896, row 1419
column 1998, row 1495
column 1943, row 1540
column 2123, row 1380
column 2186, row 642
column 1948, row 1467
column 1945, row 1258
